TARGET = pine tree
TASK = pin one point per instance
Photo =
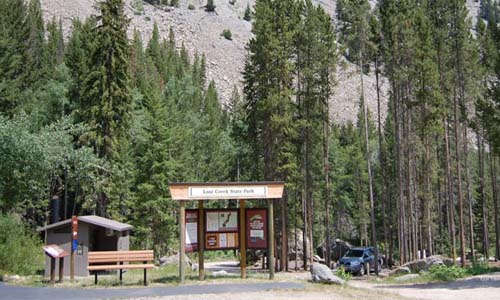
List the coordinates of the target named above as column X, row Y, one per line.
column 55, row 43
column 210, row 7
column 268, row 92
column 105, row 103
column 77, row 57
column 248, row 14
column 13, row 36
column 36, row 57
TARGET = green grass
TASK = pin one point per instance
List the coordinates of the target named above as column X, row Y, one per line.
column 445, row 274
column 168, row 276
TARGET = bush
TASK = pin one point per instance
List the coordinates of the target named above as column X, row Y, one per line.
column 343, row 274
column 248, row 13
column 138, row 7
column 174, row 3
column 20, row 250
column 232, row 2
column 478, row 269
column 210, row 5
column 226, row 33
column 191, row 7
column 444, row 273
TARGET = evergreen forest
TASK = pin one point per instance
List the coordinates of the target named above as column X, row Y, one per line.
column 104, row 120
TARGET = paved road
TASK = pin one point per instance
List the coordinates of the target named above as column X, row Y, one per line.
column 8, row 292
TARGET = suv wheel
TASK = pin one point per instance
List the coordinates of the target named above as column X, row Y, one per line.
column 362, row 270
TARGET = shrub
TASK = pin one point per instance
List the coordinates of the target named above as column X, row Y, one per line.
column 226, row 33
column 248, row 13
column 478, row 269
column 138, row 7
column 210, row 5
column 174, row 3
column 232, row 2
column 343, row 274
column 20, row 250
column 191, row 7
column 444, row 273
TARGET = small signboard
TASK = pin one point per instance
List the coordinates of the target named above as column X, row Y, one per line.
column 221, row 226
column 55, row 251
column 256, row 228
column 222, row 221
column 191, row 230
column 221, row 241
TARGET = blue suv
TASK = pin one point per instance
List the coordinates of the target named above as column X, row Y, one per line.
column 356, row 260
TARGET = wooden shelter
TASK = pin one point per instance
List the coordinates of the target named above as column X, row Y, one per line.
column 240, row 191
column 94, row 234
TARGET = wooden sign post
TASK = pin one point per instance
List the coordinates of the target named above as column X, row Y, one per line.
column 74, row 246
column 201, row 240
column 243, row 246
column 55, row 252
column 182, row 252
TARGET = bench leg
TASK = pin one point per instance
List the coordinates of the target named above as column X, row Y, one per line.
column 121, row 277
column 95, row 278
column 145, row 282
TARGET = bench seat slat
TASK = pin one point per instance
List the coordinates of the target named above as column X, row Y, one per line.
column 121, row 255
column 120, row 267
column 121, row 258
column 121, row 252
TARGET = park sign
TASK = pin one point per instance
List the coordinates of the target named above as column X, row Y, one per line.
column 232, row 190
column 214, row 192
column 214, row 229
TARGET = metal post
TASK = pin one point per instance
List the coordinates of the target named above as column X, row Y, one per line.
column 182, row 253
column 201, row 240
column 243, row 246
column 121, row 273
column 270, row 260
column 145, row 275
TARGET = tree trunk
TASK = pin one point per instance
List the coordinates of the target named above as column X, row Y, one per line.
column 370, row 179
column 399, row 162
column 469, row 194
column 382, row 163
column 451, row 204
column 495, row 202
column 284, row 234
column 326, row 172
column 459, row 183
column 486, row 244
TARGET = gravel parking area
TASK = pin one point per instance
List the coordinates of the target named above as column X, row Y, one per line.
column 482, row 287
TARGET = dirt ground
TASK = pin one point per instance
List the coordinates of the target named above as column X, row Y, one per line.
column 322, row 293
column 483, row 287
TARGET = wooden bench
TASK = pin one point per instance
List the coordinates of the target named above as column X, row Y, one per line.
column 115, row 260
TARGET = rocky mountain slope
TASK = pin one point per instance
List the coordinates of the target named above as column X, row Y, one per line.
column 201, row 31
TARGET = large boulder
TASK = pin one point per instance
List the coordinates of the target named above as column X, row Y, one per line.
column 322, row 274
column 337, row 248
column 425, row 264
column 401, row 271
column 173, row 260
